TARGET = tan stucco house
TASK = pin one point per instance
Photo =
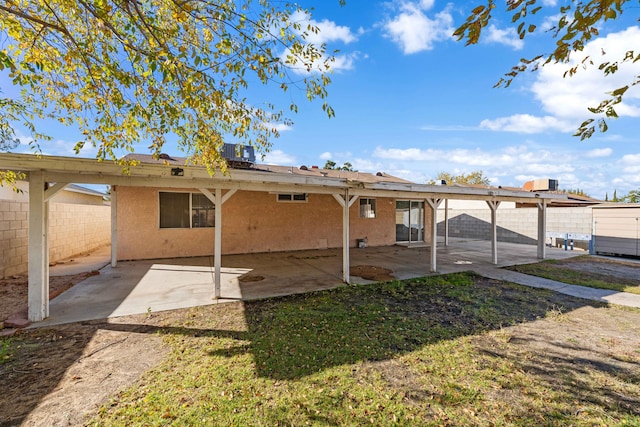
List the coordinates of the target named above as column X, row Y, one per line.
column 159, row 222
column 169, row 208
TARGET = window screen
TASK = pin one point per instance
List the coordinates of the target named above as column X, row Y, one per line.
column 174, row 210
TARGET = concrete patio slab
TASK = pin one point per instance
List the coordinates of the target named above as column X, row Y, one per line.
column 137, row 287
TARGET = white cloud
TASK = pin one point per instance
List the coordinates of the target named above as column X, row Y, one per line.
column 569, row 97
column 565, row 99
column 56, row 147
column 514, row 164
column 326, row 155
column 599, row 152
column 413, row 31
column 574, row 166
column 280, row 127
column 279, row 157
column 526, row 123
column 630, row 164
column 508, row 37
column 344, row 62
column 329, row 32
column 631, row 159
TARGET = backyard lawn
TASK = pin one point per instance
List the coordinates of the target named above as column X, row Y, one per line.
column 449, row 350
column 456, row 349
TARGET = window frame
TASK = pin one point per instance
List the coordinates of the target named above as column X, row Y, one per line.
column 190, row 210
column 373, row 207
column 292, row 197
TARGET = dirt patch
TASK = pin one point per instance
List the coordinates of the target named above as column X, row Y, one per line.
column 251, row 278
column 580, row 345
column 369, row 272
column 604, row 267
column 14, row 291
column 67, row 373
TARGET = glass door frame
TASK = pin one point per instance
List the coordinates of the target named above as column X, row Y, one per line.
column 411, row 218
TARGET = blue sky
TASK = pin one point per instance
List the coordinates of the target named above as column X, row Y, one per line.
column 412, row 102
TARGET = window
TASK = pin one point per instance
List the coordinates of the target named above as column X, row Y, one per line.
column 186, row 210
column 203, row 213
column 293, row 197
column 367, row 208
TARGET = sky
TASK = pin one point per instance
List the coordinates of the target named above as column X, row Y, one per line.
column 412, row 101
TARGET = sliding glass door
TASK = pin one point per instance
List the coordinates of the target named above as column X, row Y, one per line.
column 409, row 221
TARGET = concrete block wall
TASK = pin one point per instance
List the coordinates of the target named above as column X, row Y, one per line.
column 73, row 229
column 515, row 225
column 14, row 225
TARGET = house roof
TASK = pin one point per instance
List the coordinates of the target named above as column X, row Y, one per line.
column 293, row 170
column 75, row 188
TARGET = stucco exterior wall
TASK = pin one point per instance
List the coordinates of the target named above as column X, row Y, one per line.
column 251, row 222
column 73, row 229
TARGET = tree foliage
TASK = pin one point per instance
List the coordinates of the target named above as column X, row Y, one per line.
column 346, row 166
column 577, row 24
column 126, row 72
column 474, row 178
column 632, row 197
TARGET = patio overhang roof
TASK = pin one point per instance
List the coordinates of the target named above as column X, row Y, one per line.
column 91, row 171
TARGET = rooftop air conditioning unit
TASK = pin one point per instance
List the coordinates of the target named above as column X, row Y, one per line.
column 239, row 156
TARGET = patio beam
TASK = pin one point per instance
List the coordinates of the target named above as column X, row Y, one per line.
column 345, row 202
column 38, row 268
column 217, row 252
column 542, row 229
column 50, row 192
column 434, row 203
column 218, row 200
column 493, row 205
column 446, row 222
column 114, row 227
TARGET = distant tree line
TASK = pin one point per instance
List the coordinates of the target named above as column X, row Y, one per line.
column 346, row 166
column 632, row 197
column 473, row 178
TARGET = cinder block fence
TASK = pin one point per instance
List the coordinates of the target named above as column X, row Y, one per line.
column 73, row 229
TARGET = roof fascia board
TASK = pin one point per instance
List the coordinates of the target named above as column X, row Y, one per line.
column 415, row 195
column 80, row 167
column 187, row 183
column 456, row 192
